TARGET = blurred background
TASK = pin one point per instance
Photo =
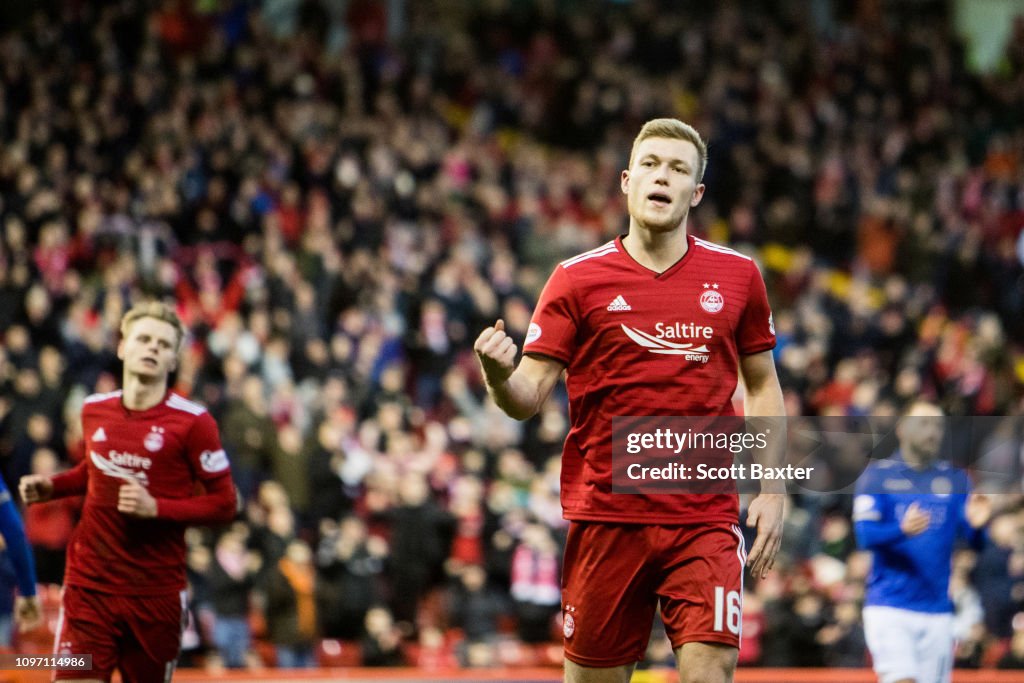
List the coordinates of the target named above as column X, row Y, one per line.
column 340, row 194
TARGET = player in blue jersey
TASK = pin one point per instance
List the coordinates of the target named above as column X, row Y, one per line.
column 909, row 511
column 26, row 605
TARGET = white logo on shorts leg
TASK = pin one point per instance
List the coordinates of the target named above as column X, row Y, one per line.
column 154, row 441
column 532, row 333
column 711, row 299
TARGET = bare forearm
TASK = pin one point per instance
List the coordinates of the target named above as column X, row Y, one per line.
column 765, row 414
column 517, row 396
column 519, row 390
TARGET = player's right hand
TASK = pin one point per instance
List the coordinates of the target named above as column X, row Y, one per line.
column 35, row 488
column 915, row 520
column 27, row 613
column 497, row 353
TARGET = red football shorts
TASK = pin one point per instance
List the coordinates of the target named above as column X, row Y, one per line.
column 141, row 636
column 616, row 575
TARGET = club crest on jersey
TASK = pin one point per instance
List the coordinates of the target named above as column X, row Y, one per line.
column 711, row 300
column 154, row 441
column 568, row 622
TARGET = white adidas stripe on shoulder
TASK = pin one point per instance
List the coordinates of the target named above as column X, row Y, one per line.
column 185, row 405
column 603, row 250
column 711, row 246
column 96, row 398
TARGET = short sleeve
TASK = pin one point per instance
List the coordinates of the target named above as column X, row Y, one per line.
column 553, row 328
column 756, row 331
column 204, row 450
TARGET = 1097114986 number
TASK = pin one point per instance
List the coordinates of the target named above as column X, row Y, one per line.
column 73, row 662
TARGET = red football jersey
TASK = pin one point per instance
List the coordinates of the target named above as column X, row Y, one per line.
column 637, row 343
column 168, row 449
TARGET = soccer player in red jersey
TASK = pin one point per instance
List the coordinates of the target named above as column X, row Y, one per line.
column 653, row 323
column 154, row 466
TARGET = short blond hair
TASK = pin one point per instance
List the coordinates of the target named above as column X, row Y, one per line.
column 157, row 310
column 673, row 129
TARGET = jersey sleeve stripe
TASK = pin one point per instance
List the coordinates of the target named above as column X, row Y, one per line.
column 593, row 253
column 96, row 398
column 710, row 246
column 184, row 405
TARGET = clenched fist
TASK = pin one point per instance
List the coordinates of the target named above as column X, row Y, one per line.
column 35, row 488
column 27, row 613
column 497, row 353
column 133, row 499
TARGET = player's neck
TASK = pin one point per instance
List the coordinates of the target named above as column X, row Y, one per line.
column 657, row 251
column 139, row 395
column 915, row 462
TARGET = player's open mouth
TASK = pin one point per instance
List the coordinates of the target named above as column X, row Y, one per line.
column 659, row 199
column 149, row 361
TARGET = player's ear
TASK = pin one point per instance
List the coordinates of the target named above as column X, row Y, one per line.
column 624, row 182
column 120, row 350
column 698, row 194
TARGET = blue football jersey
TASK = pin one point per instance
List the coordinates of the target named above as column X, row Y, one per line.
column 18, row 550
column 911, row 572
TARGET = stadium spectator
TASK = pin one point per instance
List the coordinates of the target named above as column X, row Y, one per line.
column 349, row 577
column 288, row 588
column 382, row 639
column 230, row 580
column 419, row 542
column 535, row 587
column 249, row 435
column 476, row 607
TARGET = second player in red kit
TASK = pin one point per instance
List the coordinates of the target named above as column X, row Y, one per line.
column 154, row 465
column 654, row 323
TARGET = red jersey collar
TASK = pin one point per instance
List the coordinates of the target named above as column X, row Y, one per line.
column 675, row 267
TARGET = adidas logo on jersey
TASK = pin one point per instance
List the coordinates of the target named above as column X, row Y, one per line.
column 619, row 304
column 99, row 435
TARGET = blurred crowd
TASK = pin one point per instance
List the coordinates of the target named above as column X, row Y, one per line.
column 339, row 195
